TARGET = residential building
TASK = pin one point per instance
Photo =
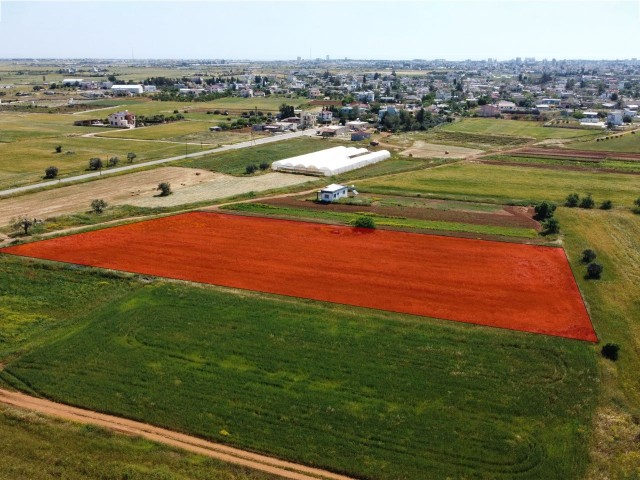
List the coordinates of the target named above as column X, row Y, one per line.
column 124, row 119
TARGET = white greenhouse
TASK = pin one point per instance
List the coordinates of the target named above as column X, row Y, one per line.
column 331, row 161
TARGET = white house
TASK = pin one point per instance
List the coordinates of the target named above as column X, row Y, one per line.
column 71, row 81
column 357, row 125
column 122, row 89
column 307, row 119
column 615, row 118
column 124, row 119
column 332, row 193
column 325, row 116
column 590, row 117
column 506, row 106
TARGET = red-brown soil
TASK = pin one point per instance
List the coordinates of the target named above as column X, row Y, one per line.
column 509, row 216
column 520, row 287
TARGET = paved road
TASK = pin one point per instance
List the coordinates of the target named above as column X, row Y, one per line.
column 219, row 451
column 111, row 171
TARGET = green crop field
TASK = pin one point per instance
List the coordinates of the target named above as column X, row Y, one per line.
column 373, row 394
column 505, row 184
column 629, row 142
column 515, row 128
column 40, row 448
column 396, row 222
column 593, row 165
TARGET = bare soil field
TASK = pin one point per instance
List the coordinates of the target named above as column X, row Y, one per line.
column 421, row 149
column 505, row 216
column 139, row 188
column 474, row 281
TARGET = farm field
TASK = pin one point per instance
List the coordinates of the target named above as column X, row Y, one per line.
column 141, row 189
column 515, row 128
column 372, row 394
column 576, row 164
column 506, row 184
column 458, row 274
column 629, row 143
column 422, row 149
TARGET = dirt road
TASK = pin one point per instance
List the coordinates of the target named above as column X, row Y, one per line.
column 221, row 452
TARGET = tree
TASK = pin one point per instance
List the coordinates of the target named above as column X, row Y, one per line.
column 113, row 161
column 98, row 206
column 610, row 351
column 544, row 210
column 51, row 172
column 286, row 111
column 250, row 169
column 636, row 202
column 573, row 199
column 550, row 226
column 25, row 224
column 594, row 270
column 587, row 202
column 131, row 157
column 606, row 205
column 95, row 164
column 588, row 255
column 264, row 165
column 365, row 222
column 165, row 189
column 59, row 149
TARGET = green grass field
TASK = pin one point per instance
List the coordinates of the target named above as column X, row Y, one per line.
column 373, row 394
column 515, row 128
column 506, row 184
column 619, row 165
column 628, row 142
column 40, row 448
column 396, row 222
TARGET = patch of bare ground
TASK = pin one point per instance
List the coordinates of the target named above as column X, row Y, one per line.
column 421, row 149
column 505, row 216
column 140, row 188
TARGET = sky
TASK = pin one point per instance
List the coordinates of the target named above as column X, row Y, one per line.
column 286, row 29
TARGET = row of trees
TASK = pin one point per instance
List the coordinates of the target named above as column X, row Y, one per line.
column 573, row 200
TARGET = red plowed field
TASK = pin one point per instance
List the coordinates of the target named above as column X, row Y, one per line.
column 520, row 287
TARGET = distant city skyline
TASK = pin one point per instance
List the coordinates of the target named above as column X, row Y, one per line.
column 285, row 30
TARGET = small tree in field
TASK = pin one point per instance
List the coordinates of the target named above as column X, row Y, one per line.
column 550, row 226
column 365, row 222
column 263, row 165
column 587, row 202
column 606, row 205
column 250, row 169
column 610, row 351
column 573, row 199
column 98, row 206
column 636, row 202
column 594, row 270
column 95, row 164
column 165, row 189
column 131, row 157
column 51, row 172
column 588, row 255
column 113, row 161
column 544, row 210
column 24, row 223
column 59, row 149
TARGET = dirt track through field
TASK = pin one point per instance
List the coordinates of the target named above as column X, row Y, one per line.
column 221, row 452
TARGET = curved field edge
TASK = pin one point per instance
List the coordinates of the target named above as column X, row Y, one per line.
column 367, row 393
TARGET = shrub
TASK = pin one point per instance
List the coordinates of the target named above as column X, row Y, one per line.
column 51, row 172
column 594, row 270
column 264, row 165
column 606, row 205
column 95, row 164
column 587, row 202
column 251, row 168
column 131, row 157
column 551, row 225
column 98, row 206
column 588, row 255
column 544, row 210
column 636, row 202
column 59, row 149
column 113, row 161
column 572, row 200
column 610, row 351
column 364, row 222
column 165, row 189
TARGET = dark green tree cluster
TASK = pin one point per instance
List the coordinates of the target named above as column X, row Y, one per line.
column 544, row 214
column 573, row 200
column 594, row 270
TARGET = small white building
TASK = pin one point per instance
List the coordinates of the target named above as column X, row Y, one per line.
column 325, row 116
column 615, row 118
column 332, row 193
column 72, row 81
column 506, row 106
column 357, row 125
column 124, row 119
column 308, row 119
column 127, row 89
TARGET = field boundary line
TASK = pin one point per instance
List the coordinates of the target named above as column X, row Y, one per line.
column 183, row 441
